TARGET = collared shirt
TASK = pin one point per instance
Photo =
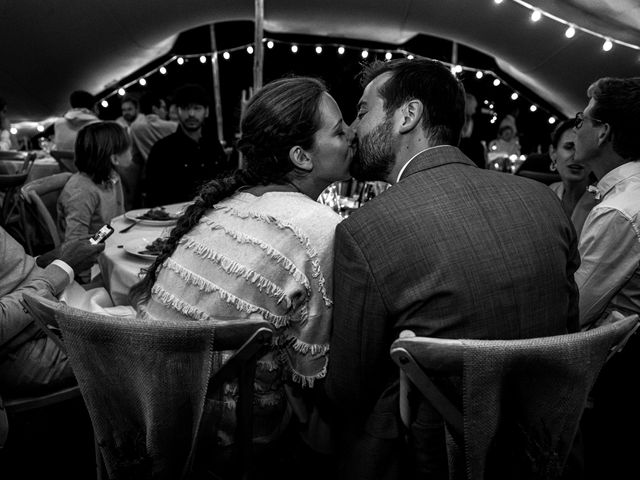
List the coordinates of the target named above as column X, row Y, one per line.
column 609, row 273
column 410, row 160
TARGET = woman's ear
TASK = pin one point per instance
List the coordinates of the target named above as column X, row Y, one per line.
column 411, row 115
column 300, row 158
column 114, row 160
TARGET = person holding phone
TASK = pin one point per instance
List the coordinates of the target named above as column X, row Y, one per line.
column 93, row 195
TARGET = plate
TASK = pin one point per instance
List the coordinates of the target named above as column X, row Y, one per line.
column 173, row 212
column 135, row 247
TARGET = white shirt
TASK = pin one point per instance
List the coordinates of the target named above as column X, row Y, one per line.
column 409, row 161
column 609, row 273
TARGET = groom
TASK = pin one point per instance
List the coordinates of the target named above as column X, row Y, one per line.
column 450, row 251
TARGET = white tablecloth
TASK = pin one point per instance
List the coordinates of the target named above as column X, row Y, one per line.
column 121, row 270
column 42, row 167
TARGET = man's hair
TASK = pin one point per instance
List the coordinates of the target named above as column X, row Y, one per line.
column 562, row 127
column 81, row 99
column 131, row 99
column 429, row 81
column 148, row 100
column 189, row 94
column 617, row 102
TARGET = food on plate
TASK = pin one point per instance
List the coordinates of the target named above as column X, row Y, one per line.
column 155, row 247
column 158, row 213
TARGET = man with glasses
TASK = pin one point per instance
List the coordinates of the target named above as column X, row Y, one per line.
column 608, row 142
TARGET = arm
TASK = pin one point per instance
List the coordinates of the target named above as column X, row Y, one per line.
column 360, row 339
column 610, row 253
column 78, row 205
column 19, row 274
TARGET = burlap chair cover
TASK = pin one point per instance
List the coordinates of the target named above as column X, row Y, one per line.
column 144, row 384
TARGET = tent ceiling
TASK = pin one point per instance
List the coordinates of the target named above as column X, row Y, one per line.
column 52, row 48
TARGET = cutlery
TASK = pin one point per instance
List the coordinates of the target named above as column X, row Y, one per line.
column 126, row 229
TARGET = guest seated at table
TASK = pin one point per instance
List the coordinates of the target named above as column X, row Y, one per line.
column 572, row 190
column 6, row 142
column 30, row 362
column 258, row 243
column 93, row 196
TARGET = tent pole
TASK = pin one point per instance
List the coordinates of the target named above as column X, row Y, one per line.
column 258, row 47
column 216, row 83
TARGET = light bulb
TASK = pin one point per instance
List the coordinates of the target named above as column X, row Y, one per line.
column 536, row 16
column 364, row 54
column 142, row 82
column 104, row 104
column 318, row 50
column 552, row 120
column 250, row 50
column 479, row 74
column 533, row 108
column 226, row 55
column 180, row 61
column 570, row 32
column 121, row 92
column 294, row 48
column 203, row 59
column 496, row 82
column 514, row 96
column 340, row 50
column 163, row 70
column 607, row 45
column 388, row 56
column 269, row 44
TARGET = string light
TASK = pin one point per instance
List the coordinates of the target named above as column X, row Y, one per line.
column 13, row 131
column 104, row 104
column 570, row 32
column 341, row 50
column 572, row 28
column 552, row 120
column 142, row 82
column 607, row 45
column 40, row 128
column 498, row 2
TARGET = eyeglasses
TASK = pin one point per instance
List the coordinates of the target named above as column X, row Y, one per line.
column 580, row 120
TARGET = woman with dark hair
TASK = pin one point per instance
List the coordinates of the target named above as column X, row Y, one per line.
column 93, row 195
column 572, row 190
column 257, row 243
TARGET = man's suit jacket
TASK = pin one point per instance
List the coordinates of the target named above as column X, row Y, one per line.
column 450, row 251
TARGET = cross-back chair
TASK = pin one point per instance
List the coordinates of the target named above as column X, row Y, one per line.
column 39, row 210
column 515, row 405
column 145, row 383
column 66, row 160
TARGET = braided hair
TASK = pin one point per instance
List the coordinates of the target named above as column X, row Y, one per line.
column 283, row 114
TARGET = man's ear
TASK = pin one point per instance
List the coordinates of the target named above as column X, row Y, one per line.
column 206, row 112
column 300, row 158
column 605, row 135
column 411, row 115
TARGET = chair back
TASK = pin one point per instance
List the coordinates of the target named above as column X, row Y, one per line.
column 10, row 184
column 66, row 159
column 39, row 203
column 145, row 382
column 517, row 404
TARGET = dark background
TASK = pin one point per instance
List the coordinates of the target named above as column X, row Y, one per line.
column 340, row 72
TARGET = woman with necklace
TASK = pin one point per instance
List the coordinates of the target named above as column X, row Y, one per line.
column 258, row 243
column 572, row 190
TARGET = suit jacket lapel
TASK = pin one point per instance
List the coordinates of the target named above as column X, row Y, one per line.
column 436, row 157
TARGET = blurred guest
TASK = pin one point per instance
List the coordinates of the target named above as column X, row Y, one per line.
column 82, row 113
column 30, row 361
column 5, row 125
column 607, row 141
column 93, row 195
column 130, row 108
column 470, row 143
column 146, row 131
column 181, row 162
column 572, row 190
column 506, row 144
column 172, row 111
column 257, row 243
column 449, row 251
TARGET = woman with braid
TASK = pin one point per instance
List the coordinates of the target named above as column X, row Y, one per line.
column 258, row 244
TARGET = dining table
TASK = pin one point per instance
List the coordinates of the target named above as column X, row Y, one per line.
column 43, row 166
column 125, row 257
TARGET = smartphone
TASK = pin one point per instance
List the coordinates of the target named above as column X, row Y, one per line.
column 101, row 235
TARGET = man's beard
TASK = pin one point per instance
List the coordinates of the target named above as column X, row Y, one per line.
column 191, row 125
column 375, row 156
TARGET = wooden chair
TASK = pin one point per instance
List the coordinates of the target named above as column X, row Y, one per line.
column 39, row 210
column 66, row 159
column 10, row 184
column 145, row 382
column 515, row 406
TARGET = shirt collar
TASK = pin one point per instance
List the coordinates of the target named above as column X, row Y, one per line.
column 404, row 167
column 614, row 177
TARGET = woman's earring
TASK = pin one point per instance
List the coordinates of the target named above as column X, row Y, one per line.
column 553, row 167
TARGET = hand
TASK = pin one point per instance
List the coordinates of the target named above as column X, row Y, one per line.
column 79, row 254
